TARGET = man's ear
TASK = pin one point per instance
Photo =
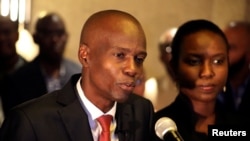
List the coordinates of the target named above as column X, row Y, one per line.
column 83, row 54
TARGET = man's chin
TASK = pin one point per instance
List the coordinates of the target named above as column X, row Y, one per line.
column 123, row 98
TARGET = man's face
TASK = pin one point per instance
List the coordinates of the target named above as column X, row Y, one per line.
column 115, row 62
column 239, row 44
column 8, row 39
column 52, row 38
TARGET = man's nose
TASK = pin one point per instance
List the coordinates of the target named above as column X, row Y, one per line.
column 131, row 67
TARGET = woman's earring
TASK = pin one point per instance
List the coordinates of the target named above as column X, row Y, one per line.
column 224, row 89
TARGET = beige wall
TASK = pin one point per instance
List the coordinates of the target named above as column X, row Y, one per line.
column 154, row 15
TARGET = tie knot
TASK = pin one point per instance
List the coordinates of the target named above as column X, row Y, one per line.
column 105, row 121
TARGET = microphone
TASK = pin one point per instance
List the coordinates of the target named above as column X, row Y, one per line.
column 166, row 129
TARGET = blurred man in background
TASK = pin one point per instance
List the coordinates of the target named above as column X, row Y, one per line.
column 10, row 60
column 49, row 71
column 162, row 90
column 237, row 92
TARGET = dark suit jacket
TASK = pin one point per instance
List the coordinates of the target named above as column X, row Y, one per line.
column 182, row 113
column 58, row 116
column 243, row 108
column 29, row 82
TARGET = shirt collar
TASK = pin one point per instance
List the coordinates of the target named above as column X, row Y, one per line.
column 89, row 106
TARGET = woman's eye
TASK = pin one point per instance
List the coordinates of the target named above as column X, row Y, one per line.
column 194, row 62
column 218, row 61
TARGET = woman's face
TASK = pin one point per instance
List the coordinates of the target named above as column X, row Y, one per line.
column 203, row 66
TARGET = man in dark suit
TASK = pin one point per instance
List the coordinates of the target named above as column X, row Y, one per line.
column 49, row 71
column 10, row 60
column 112, row 51
column 236, row 97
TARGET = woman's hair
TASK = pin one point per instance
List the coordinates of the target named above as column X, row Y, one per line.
column 188, row 28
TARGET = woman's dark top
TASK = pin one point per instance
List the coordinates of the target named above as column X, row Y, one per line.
column 181, row 112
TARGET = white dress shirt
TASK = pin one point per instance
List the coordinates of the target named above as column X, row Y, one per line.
column 93, row 113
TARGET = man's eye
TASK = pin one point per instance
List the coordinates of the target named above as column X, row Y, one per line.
column 120, row 55
column 139, row 60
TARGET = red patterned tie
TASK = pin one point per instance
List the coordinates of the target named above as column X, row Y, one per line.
column 105, row 121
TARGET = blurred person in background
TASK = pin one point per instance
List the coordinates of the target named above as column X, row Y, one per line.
column 49, row 71
column 237, row 92
column 162, row 90
column 10, row 60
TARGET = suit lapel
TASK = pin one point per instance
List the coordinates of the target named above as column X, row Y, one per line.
column 73, row 116
column 76, row 122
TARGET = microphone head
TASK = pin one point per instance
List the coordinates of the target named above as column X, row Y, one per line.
column 164, row 125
